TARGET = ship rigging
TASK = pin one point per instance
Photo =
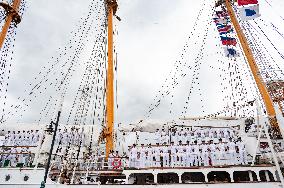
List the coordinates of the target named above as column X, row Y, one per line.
column 93, row 107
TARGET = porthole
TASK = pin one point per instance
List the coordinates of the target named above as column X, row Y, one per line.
column 26, row 178
column 7, row 177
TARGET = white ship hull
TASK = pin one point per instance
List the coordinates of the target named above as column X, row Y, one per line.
column 203, row 185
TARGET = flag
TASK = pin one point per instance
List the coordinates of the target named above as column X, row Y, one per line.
column 249, row 12
column 231, row 52
column 223, row 21
column 226, row 32
column 227, row 41
column 224, row 29
column 220, row 14
column 247, row 2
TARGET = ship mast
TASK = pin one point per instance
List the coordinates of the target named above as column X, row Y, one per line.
column 12, row 16
column 111, row 6
column 254, row 69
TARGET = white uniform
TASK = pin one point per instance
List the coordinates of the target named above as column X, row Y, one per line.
column 202, row 135
column 157, row 137
column 189, row 158
column 226, row 135
column 195, row 155
column 221, row 153
column 157, row 155
column 173, row 150
column 242, row 153
column 133, row 157
column 213, row 153
column 211, row 134
column 149, row 161
column 188, row 135
column 205, row 155
column 166, row 156
column 232, row 153
column 181, row 155
column 142, row 159
column 163, row 137
column 180, row 135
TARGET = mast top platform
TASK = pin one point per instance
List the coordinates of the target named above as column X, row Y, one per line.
column 113, row 4
column 10, row 10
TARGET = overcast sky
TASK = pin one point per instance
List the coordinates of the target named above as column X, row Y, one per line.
column 151, row 37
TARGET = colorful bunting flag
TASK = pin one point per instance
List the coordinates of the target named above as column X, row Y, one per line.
column 222, row 21
column 221, row 14
column 249, row 12
column 227, row 41
column 226, row 32
column 231, row 52
column 224, row 29
column 247, row 2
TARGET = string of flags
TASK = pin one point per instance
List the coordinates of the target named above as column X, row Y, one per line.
column 226, row 33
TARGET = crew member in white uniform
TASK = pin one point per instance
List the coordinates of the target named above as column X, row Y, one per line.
column 149, row 161
column 212, row 148
column 142, row 160
column 157, row 155
column 163, row 136
column 195, row 154
column 188, row 151
column 204, row 154
column 232, row 152
column 173, row 154
column 188, row 135
column 181, row 155
column 242, row 152
column 133, row 156
column 157, row 136
column 166, row 155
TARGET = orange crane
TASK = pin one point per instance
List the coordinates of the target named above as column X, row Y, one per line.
column 12, row 16
column 254, row 69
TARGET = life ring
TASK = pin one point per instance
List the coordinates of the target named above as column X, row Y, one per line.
column 116, row 163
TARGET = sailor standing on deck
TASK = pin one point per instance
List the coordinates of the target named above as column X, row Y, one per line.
column 181, row 154
column 110, row 160
column 17, row 139
column 65, row 137
column 157, row 136
column 173, row 154
column 232, row 152
column 189, row 158
column 204, row 154
column 174, row 137
column 180, row 135
column 195, row 154
column 212, row 148
column 133, row 156
column 142, row 159
column 149, row 161
column 166, row 155
column 242, row 152
column 163, row 136
column 12, row 138
column 188, row 135
column 157, row 155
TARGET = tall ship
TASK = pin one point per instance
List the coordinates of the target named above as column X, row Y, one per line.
column 82, row 145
